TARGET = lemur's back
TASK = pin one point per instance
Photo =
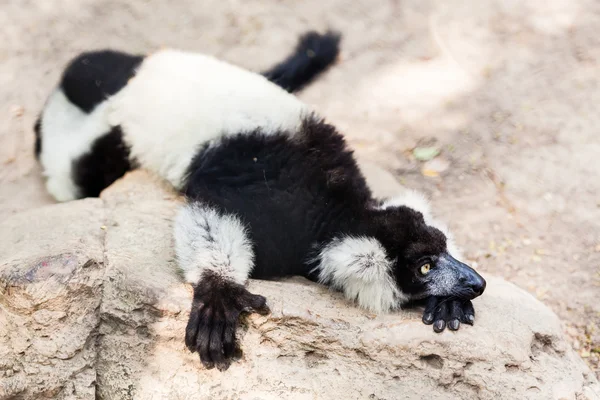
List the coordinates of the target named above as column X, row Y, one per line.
column 176, row 102
column 292, row 191
column 179, row 101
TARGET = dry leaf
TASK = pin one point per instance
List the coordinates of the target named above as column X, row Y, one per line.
column 430, row 173
column 425, row 153
column 584, row 354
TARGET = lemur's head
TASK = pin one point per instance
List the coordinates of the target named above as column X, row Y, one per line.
column 422, row 251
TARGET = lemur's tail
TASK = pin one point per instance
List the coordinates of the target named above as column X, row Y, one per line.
column 314, row 53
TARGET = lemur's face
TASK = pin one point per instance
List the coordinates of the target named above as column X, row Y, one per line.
column 438, row 274
column 423, row 265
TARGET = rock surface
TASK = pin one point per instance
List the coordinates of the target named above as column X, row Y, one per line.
column 92, row 306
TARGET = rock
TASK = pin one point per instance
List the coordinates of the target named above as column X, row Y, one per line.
column 51, row 276
column 89, row 312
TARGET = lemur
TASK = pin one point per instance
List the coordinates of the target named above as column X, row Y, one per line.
column 271, row 188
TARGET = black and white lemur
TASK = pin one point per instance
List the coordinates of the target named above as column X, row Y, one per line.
column 272, row 189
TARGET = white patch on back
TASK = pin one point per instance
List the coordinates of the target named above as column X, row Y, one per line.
column 206, row 240
column 417, row 201
column 67, row 133
column 359, row 267
column 178, row 101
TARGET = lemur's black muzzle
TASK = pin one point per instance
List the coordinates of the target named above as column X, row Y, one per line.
column 470, row 283
column 472, row 280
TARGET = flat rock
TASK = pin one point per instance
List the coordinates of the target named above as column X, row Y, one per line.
column 92, row 306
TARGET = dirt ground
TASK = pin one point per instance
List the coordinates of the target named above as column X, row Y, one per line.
column 508, row 90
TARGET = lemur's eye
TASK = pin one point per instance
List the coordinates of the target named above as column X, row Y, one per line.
column 425, row 268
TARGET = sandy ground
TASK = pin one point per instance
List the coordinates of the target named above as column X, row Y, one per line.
column 507, row 89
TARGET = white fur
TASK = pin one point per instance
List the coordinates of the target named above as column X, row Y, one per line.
column 360, row 267
column 67, row 133
column 178, row 101
column 206, row 240
column 417, row 201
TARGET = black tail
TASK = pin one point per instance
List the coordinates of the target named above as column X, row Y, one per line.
column 314, row 53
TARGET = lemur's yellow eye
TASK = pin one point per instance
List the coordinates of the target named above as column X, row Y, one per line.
column 425, row 268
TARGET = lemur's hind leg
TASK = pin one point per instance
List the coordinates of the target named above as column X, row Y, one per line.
column 216, row 256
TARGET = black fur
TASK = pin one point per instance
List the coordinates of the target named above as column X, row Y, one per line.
column 290, row 192
column 107, row 161
column 94, row 76
column 314, row 53
column 295, row 192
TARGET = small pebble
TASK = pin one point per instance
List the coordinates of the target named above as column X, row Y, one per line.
column 17, row 111
column 439, row 165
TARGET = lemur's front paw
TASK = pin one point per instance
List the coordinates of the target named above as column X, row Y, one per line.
column 446, row 311
column 216, row 309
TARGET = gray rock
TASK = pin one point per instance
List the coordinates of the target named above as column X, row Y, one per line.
column 92, row 306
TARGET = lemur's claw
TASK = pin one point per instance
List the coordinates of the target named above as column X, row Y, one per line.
column 214, row 318
column 428, row 318
column 444, row 312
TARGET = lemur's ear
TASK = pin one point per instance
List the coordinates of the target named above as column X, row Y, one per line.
column 393, row 225
column 418, row 202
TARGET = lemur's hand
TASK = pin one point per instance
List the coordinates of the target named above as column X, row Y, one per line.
column 214, row 318
column 448, row 311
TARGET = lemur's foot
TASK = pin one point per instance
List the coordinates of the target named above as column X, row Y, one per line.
column 216, row 309
column 447, row 311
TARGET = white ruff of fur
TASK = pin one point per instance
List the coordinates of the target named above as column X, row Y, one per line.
column 67, row 134
column 359, row 266
column 418, row 202
column 206, row 240
column 179, row 101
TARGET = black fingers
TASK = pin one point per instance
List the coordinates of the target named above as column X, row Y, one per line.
column 191, row 331
column 203, row 337
column 256, row 303
column 229, row 344
column 468, row 313
column 456, row 314
column 444, row 312
column 430, row 306
column 441, row 316
column 215, row 346
column 214, row 319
